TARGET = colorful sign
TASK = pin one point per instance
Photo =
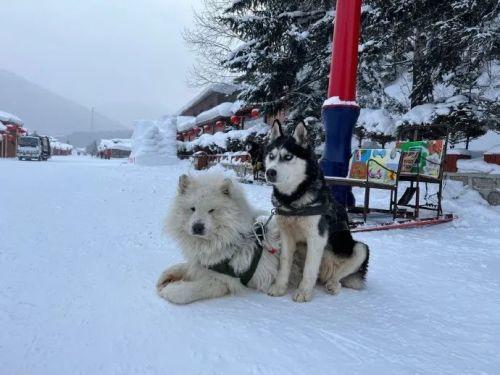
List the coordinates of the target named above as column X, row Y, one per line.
column 429, row 163
column 382, row 167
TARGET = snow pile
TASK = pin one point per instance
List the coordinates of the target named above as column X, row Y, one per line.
column 335, row 100
column 477, row 165
column 427, row 113
column 220, row 139
column 154, row 141
column 115, row 144
column 376, row 121
column 10, row 118
column 226, row 109
column 2, row 127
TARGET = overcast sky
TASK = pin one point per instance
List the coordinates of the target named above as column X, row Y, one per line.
column 126, row 58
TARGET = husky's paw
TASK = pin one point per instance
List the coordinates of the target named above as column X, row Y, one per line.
column 302, row 295
column 167, row 278
column 333, row 287
column 277, row 290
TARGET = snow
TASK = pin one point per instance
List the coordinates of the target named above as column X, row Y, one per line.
column 335, row 100
column 81, row 249
column 493, row 150
column 426, row 113
column 477, row 165
column 115, row 144
column 154, row 141
column 55, row 144
column 458, row 151
column 185, row 123
column 2, row 127
column 220, row 139
column 376, row 121
column 226, row 109
column 10, row 118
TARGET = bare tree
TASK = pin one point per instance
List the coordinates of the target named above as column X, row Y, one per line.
column 211, row 40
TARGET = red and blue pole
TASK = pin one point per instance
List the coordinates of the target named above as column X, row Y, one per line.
column 340, row 111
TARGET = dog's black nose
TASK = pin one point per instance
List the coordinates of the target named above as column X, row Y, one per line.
column 198, row 228
column 271, row 175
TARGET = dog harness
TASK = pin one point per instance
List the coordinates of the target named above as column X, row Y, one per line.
column 259, row 232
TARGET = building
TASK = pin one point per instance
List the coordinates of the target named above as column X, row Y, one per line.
column 114, row 148
column 11, row 127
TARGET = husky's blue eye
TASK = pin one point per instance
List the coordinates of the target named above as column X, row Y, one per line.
column 288, row 157
column 193, row 209
column 271, row 156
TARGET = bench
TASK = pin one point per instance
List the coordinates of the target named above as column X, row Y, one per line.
column 414, row 162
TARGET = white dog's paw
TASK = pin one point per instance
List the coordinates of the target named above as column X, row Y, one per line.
column 167, row 278
column 277, row 290
column 175, row 293
column 333, row 287
column 302, row 295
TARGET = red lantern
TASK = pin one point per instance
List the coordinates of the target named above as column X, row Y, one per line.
column 235, row 120
column 208, row 129
column 255, row 112
column 219, row 124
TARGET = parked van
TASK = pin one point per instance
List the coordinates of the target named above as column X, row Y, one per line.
column 33, row 147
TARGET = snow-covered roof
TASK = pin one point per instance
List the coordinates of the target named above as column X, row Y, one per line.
column 223, row 88
column 115, row 144
column 226, row 109
column 220, row 138
column 376, row 121
column 6, row 117
column 2, row 127
column 185, row 123
column 55, row 144
column 427, row 113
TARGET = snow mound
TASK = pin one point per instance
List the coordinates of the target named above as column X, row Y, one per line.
column 185, row 123
column 154, row 142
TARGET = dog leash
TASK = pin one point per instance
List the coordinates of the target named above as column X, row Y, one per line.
column 259, row 230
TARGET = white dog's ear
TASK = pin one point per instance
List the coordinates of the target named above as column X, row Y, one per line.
column 276, row 131
column 300, row 134
column 183, row 183
column 227, row 186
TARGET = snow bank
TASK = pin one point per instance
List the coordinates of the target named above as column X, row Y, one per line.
column 154, row 141
column 376, row 121
column 335, row 100
column 226, row 109
column 477, row 165
column 220, row 139
column 8, row 117
column 458, row 151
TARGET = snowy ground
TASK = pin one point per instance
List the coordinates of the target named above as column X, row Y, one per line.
column 81, row 248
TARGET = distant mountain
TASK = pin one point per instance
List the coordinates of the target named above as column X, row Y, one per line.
column 48, row 113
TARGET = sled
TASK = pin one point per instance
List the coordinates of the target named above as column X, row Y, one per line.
column 401, row 224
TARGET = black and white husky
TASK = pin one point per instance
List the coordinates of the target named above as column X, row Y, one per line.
column 306, row 213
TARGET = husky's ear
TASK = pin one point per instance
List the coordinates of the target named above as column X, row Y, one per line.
column 276, row 131
column 183, row 184
column 227, row 186
column 300, row 134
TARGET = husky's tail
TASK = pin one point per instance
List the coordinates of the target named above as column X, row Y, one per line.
column 357, row 279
